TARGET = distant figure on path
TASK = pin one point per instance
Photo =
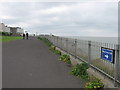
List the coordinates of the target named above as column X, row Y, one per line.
column 23, row 36
column 27, row 35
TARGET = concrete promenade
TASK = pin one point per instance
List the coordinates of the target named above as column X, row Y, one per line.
column 30, row 64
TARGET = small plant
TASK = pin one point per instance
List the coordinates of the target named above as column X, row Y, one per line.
column 57, row 52
column 95, row 84
column 53, row 48
column 80, row 70
column 40, row 38
column 65, row 58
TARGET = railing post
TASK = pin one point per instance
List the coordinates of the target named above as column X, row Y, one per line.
column 67, row 45
column 75, row 48
column 57, row 42
column 116, row 65
column 89, row 52
column 54, row 39
column 49, row 38
column 61, row 43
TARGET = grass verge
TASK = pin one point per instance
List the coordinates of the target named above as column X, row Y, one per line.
column 9, row 38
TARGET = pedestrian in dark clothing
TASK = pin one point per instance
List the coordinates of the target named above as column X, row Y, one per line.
column 27, row 35
column 23, row 36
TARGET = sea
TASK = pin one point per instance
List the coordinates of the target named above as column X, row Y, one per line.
column 111, row 40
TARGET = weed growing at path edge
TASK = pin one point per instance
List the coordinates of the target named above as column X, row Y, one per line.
column 94, row 84
column 65, row 58
column 80, row 70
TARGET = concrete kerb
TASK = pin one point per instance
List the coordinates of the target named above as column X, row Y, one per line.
column 92, row 72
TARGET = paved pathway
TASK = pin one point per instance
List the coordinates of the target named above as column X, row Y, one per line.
column 30, row 64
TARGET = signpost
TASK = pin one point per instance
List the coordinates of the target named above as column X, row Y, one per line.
column 107, row 54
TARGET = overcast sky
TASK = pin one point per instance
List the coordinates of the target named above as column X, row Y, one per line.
column 63, row 18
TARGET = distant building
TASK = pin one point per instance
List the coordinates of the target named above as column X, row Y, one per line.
column 20, row 30
column 1, row 27
column 16, row 30
column 4, row 28
column 12, row 30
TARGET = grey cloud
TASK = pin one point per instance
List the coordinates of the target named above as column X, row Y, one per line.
column 51, row 17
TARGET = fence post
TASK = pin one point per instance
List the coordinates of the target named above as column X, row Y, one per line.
column 75, row 48
column 116, row 65
column 54, row 39
column 57, row 41
column 89, row 52
column 61, row 43
column 66, row 45
column 50, row 38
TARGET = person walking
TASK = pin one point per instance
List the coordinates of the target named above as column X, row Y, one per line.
column 26, row 35
column 23, row 36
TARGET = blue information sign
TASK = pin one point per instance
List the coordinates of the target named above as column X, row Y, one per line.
column 107, row 54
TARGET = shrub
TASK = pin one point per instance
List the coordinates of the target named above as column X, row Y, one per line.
column 57, row 52
column 5, row 33
column 95, row 84
column 65, row 58
column 80, row 70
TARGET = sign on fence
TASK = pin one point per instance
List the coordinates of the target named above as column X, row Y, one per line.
column 107, row 54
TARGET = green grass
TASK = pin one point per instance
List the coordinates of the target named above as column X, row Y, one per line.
column 9, row 38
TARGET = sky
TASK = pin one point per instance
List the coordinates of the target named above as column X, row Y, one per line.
column 84, row 18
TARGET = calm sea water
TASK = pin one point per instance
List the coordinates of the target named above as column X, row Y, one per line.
column 113, row 40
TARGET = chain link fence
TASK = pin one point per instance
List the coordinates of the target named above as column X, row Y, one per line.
column 90, row 52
